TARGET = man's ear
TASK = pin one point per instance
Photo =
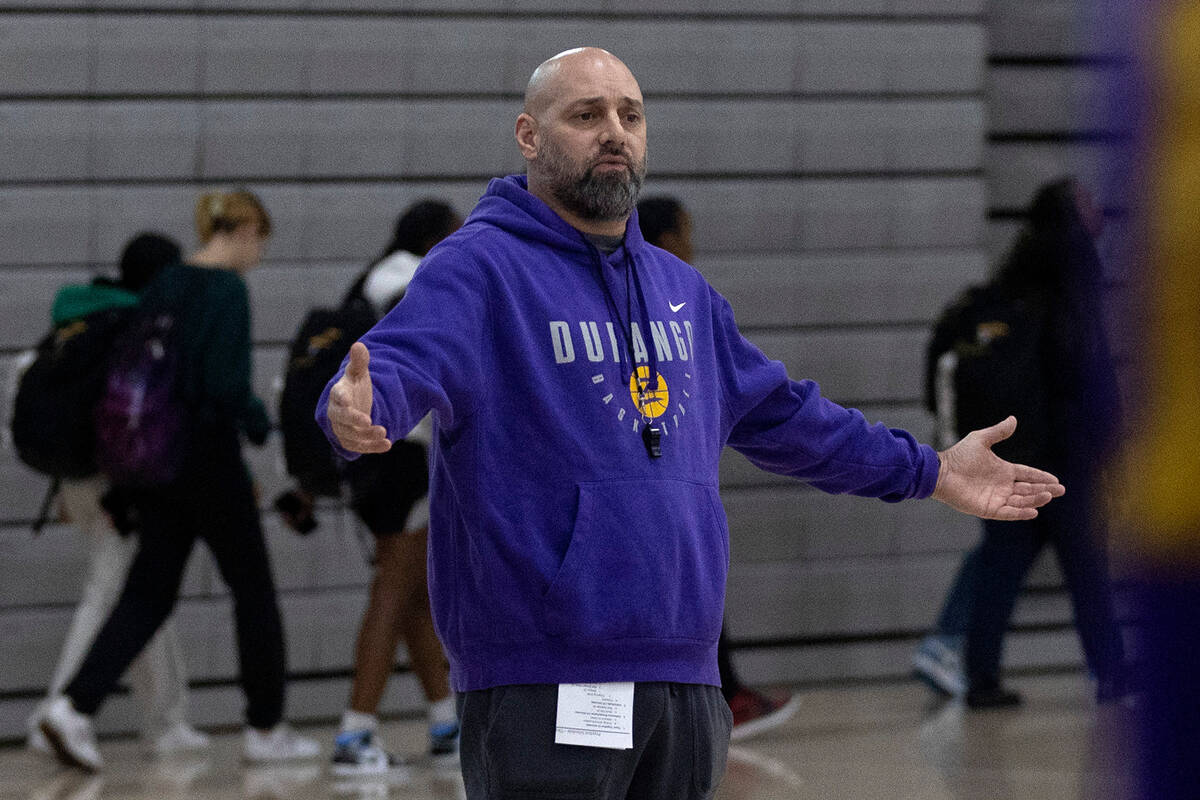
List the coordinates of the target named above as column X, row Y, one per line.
column 526, row 133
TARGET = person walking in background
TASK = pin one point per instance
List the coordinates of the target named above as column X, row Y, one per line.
column 159, row 674
column 583, row 386
column 388, row 493
column 665, row 223
column 1040, row 316
column 212, row 498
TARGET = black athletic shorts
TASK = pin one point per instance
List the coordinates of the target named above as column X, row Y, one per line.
column 384, row 487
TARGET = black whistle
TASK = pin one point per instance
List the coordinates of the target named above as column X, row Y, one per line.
column 652, row 438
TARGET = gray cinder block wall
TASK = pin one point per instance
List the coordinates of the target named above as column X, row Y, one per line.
column 839, row 158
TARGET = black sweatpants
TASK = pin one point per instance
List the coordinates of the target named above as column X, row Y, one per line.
column 213, row 500
column 680, row 742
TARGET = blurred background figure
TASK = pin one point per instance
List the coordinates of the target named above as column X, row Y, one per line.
column 1158, row 484
column 1040, row 316
column 212, row 497
column 389, row 494
column 665, row 223
column 158, row 674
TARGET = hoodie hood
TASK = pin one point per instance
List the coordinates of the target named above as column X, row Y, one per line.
column 535, row 220
column 509, row 205
column 78, row 300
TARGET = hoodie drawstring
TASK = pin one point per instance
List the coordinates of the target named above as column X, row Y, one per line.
column 651, row 434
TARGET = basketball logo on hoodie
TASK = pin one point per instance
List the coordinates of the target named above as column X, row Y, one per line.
column 596, row 342
column 650, row 401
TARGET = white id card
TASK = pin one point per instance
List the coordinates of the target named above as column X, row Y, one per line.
column 595, row 715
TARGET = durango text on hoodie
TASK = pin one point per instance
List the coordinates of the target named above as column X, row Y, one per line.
column 560, row 551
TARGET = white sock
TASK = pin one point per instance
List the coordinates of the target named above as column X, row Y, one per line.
column 357, row 721
column 441, row 711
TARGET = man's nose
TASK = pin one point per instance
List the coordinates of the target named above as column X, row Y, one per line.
column 612, row 131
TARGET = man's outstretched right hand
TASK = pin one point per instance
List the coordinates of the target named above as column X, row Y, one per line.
column 349, row 408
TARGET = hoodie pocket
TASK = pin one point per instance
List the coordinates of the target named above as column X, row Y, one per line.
column 648, row 558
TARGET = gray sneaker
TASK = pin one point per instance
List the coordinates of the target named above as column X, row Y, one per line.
column 938, row 664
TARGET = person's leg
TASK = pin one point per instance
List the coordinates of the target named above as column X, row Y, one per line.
column 685, row 757
column 1004, row 557
column 157, row 675
column 938, row 658
column 150, row 591
column 146, row 601
column 230, row 526
column 109, row 558
column 508, row 747
column 409, row 568
column 955, row 615
column 383, row 622
column 1078, row 540
column 160, row 686
column 232, row 532
column 680, row 742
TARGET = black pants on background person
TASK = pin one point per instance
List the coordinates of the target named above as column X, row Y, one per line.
column 680, row 741
column 213, row 500
column 1004, row 557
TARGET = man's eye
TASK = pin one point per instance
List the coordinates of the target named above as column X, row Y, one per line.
column 587, row 116
column 633, row 118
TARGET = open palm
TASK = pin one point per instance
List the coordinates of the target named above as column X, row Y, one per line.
column 974, row 480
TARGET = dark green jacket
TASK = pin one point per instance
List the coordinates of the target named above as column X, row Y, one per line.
column 80, row 299
column 212, row 311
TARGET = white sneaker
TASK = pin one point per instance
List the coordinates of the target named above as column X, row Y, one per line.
column 71, row 735
column 178, row 738
column 280, row 743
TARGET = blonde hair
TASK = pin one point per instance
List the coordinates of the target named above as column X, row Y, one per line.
column 225, row 212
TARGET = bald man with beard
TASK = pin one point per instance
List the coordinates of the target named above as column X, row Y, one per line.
column 583, row 384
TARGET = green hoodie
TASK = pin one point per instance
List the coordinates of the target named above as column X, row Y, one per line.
column 212, row 309
column 80, row 299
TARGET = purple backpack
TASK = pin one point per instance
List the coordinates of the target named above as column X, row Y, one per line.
column 140, row 416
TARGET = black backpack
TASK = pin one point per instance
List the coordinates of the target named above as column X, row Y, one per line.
column 996, row 347
column 53, row 423
column 316, row 352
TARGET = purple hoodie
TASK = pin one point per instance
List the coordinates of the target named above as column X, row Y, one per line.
column 559, row 550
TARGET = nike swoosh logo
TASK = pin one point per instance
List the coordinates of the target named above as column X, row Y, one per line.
column 675, row 308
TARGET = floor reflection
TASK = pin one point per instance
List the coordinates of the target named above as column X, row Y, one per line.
column 862, row 742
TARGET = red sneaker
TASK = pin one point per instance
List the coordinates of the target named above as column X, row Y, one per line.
column 755, row 712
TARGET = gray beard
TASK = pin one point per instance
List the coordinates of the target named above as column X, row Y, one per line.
column 600, row 197
column 594, row 197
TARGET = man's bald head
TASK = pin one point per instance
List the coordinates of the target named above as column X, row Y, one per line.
column 583, row 136
column 557, row 74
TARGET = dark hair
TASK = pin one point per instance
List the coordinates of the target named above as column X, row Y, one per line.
column 1054, row 247
column 421, row 226
column 144, row 255
column 658, row 215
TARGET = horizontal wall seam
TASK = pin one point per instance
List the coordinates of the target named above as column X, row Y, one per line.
column 386, row 179
column 451, row 96
column 539, row 15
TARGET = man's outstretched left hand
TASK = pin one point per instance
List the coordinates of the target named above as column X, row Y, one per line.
column 974, row 480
